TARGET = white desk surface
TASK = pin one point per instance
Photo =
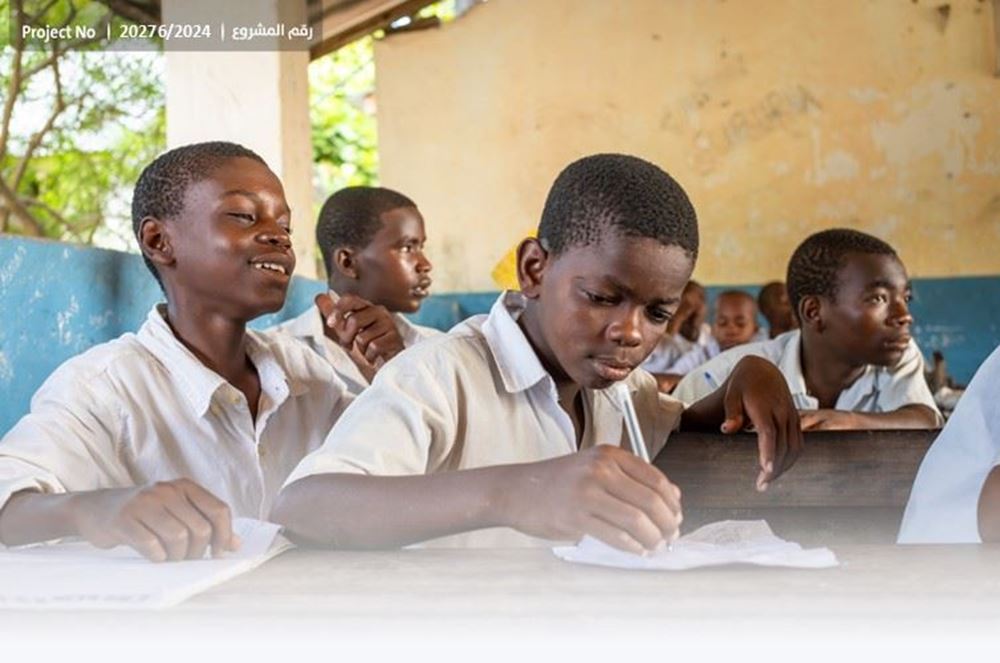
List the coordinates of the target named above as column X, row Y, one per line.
column 390, row 602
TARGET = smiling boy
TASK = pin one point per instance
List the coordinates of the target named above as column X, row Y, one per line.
column 372, row 240
column 853, row 363
column 156, row 439
column 507, row 421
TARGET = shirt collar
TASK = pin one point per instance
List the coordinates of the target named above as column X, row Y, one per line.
column 790, row 362
column 519, row 365
column 199, row 383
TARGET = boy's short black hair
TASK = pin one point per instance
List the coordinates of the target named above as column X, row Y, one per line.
column 816, row 262
column 738, row 294
column 352, row 216
column 618, row 193
column 159, row 191
column 767, row 296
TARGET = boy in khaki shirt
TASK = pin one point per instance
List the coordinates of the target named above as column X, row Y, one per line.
column 506, row 421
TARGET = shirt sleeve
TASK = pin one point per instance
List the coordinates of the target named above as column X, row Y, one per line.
column 906, row 384
column 659, row 414
column 943, row 505
column 700, row 383
column 689, row 361
column 69, row 440
column 403, row 424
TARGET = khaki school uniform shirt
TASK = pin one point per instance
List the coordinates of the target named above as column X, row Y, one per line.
column 475, row 397
column 308, row 327
column 142, row 408
column 879, row 389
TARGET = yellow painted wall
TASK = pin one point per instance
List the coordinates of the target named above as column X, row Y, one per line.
column 779, row 117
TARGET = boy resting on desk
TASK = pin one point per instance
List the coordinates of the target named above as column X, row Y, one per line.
column 956, row 495
column 853, row 363
column 372, row 241
column 155, row 439
column 507, row 421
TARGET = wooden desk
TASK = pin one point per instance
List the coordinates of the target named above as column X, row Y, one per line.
column 399, row 602
column 847, row 486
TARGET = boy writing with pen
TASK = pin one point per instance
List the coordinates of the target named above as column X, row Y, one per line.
column 508, row 423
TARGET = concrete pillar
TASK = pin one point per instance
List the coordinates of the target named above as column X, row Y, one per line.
column 259, row 99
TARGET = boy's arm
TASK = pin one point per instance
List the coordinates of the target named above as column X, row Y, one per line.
column 914, row 415
column 169, row 520
column 989, row 508
column 604, row 492
column 755, row 394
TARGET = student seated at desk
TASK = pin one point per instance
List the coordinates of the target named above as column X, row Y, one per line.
column 776, row 309
column 686, row 331
column 508, row 420
column 157, row 438
column 853, row 363
column 956, row 495
column 372, row 241
column 733, row 323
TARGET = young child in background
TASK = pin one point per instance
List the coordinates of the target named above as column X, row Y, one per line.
column 508, row 420
column 773, row 303
column 372, row 242
column 156, row 439
column 853, row 363
column 686, row 331
column 956, row 495
column 734, row 323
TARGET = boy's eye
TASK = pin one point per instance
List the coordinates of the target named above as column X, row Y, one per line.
column 659, row 315
column 600, row 299
column 880, row 298
column 243, row 216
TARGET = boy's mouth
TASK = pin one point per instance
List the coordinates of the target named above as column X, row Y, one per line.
column 898, row 344
column 612, row 369
column 273, row 263
column 422, row 289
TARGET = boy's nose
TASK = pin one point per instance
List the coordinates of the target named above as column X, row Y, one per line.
column 900, row 314
column 626, row 329
column 423, row 263
column 278, row 238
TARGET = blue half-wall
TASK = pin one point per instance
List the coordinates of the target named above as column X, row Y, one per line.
column 57, row 300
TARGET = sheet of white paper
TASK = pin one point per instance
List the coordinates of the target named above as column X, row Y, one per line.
column 77, row 575
column 716, row 544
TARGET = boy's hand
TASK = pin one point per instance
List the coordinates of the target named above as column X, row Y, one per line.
column 757, row 395
column 169, row 520
column 605, row 492
column 827, row 419
column 355, row 323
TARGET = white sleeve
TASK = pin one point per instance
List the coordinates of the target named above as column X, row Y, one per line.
column 700, row 383
column 943, row 505
column 689, row 361
column 69, row 441
column 405, row 423
column 907, row 385
column 659, row 414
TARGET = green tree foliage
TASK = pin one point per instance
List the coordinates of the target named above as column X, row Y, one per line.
column 342, row 111
column 77, row 126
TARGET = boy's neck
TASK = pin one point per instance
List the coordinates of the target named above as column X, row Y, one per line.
column 219, row 342
column 566, row 390
column 825, row 374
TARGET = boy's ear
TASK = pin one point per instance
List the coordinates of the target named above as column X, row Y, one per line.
column 532, row 259
column 154, row 241
column 345, row 262
column 811, row 312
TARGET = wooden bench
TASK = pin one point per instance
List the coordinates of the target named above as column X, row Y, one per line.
column 847, row 486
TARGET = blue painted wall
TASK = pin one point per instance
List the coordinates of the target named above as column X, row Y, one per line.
column 57, row 300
